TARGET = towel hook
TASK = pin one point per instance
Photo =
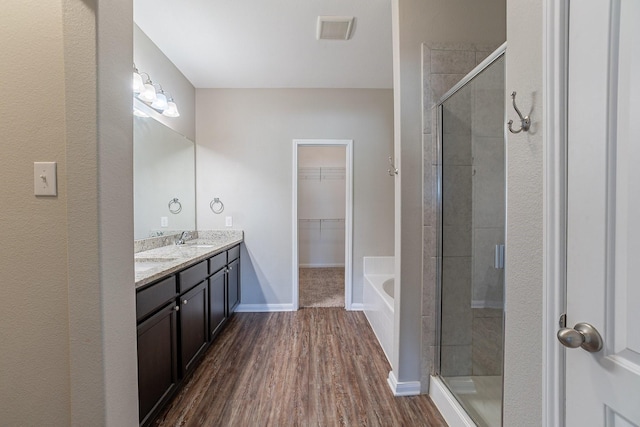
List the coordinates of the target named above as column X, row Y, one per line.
column 392, row 170
column 525, row 122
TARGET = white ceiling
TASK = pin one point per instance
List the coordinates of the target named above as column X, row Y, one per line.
column 270, row 43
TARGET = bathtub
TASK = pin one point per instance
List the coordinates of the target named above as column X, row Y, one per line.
column 378, row 299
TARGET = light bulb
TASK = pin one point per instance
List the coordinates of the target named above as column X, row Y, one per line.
column 138, row 84
column 148, row 94
column 160, row 103
column 172, row 110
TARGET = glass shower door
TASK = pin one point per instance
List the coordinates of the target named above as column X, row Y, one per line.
column 472, row 243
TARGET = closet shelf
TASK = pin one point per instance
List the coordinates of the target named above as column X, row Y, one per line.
column 321, row 173
column 321, row 221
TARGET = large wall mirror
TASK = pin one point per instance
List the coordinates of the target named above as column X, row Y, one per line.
column 163, row 180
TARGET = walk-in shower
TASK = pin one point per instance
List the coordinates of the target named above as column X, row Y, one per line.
column 471, row 240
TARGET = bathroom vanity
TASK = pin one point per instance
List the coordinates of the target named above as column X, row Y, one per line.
column 184, row 296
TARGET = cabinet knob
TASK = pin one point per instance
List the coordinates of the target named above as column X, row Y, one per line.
column 230, row 268
column 185, row 302
column 176, row 308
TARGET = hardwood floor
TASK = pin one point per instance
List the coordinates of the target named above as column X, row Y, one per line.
column 313, row 367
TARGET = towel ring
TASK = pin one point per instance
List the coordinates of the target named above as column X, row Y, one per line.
column 175, row 207
column 216, row 206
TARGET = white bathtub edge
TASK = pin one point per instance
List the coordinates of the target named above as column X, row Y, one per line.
column 376, row 281
column 448, row 406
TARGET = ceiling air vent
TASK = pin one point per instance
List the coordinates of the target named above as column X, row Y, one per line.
column 335, row 27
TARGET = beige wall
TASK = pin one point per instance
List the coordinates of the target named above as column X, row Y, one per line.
column 245, row 157
column 524, row 242
column 34, row 355
column 68, row 322
column 416, row 22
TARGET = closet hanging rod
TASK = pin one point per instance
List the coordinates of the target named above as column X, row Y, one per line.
column 321, row 219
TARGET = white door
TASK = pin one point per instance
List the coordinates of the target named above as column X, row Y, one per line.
column 603, row 229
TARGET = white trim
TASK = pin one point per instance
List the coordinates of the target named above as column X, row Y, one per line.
column 348, row 218
column 356, row 306
column 320, row 265
column 407, row 388
column 449, row 408
column 263, row 308
column 555, row 57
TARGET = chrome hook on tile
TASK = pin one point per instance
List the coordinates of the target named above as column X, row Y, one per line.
column 525, row 122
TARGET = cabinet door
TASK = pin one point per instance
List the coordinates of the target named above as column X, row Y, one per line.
column 193, row 325
column 233, row 281
column 157, row 359
column 217, row 302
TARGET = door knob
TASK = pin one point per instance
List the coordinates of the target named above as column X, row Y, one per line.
column 582, row 335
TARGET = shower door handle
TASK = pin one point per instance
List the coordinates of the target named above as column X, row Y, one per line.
column 582, row 335
column 498, row 262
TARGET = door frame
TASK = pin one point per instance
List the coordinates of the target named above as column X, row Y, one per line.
column 348, row 219
column 555, row 85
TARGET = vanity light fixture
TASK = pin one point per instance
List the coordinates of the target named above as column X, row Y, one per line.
column 161, row 100
column 138, row 84
column 172, row 108
column 148, row 94
column 139, row 113
column 145, row 90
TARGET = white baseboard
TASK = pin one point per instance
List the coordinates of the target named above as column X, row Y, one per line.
column 320, row 265
column 356, row 306
column 407, row 388
column 448, row 406
column 263, row 308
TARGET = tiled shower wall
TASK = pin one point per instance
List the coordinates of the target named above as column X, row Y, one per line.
column 443, row 66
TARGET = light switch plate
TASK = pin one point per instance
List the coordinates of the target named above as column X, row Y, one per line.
column 164, row 221
column 45, row 182
column 228, row 221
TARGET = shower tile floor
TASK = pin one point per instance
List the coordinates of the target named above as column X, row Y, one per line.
column 321, row 287
column 481, row 396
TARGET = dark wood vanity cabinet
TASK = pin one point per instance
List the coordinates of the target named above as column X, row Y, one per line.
column 217, row 301
column 157, row 359
column 194, row 322
column 178, row 317
column 157, row 315
column 233, row 285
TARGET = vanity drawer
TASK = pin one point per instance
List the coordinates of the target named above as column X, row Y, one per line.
column 192, row 276
column 154, row 296
column 233, row 253
column 217, row 262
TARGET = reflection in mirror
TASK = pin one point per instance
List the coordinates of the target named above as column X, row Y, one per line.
column 163, row 171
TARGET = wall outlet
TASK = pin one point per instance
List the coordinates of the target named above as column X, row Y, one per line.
column 164, row 221
column 228, row 221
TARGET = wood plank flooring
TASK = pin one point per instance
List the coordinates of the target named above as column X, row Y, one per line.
column 313, row 367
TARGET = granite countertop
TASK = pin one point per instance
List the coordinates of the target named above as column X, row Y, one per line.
column 156, row 263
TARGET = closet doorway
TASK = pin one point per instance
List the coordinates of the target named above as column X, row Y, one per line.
column 322, row 223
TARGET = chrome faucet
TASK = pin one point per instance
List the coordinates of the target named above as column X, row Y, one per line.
column 184, row 236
